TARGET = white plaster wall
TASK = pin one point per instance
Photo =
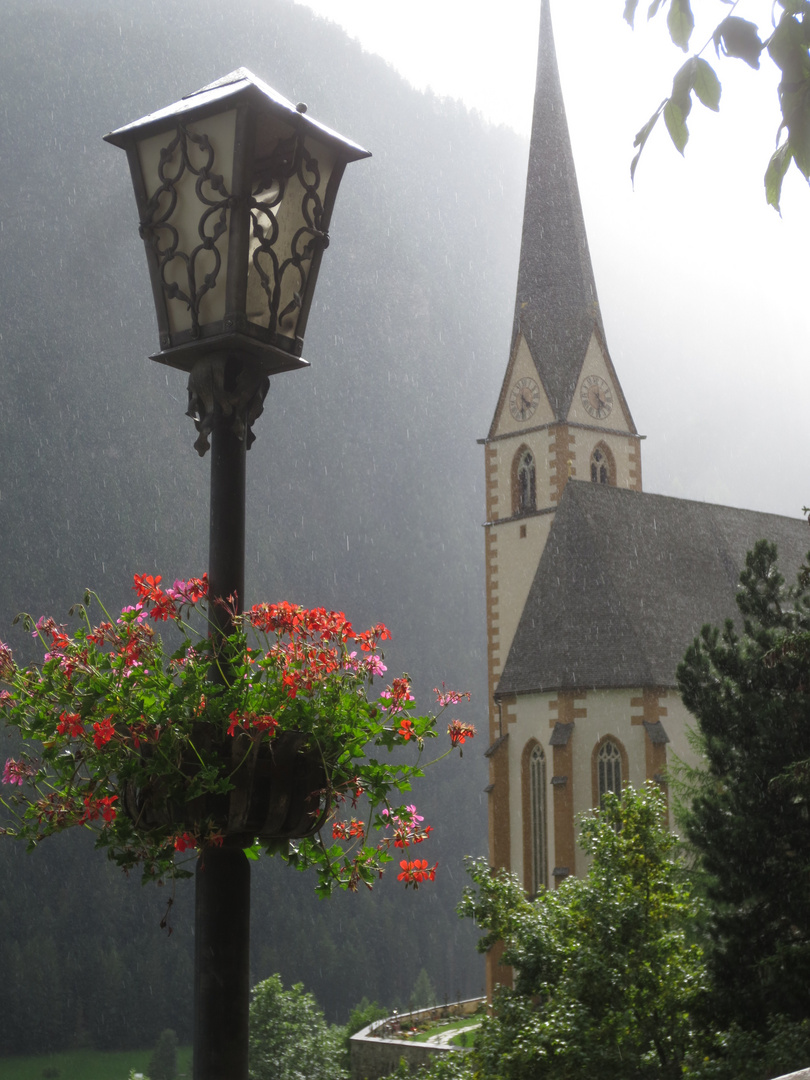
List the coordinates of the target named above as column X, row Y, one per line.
column 523, row 367
column 677, row 723
column 505, row 451
column 595, row 364
column 517, row 564
column 609, row 713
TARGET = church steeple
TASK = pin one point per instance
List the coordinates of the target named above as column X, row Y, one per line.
column 561, row 414
column 558, row 338
column 557, row 309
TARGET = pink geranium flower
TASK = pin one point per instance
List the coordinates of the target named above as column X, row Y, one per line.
column 15, row 772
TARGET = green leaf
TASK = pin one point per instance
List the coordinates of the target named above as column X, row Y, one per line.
column 706, row 85
column 682, row 86
column 796, row 118
column 795, row 7
column 738, row 37
column 676, row 125
column 681, row 23
column 787, row 48
column 653, row 8
column 641, row 138
column 630, row 10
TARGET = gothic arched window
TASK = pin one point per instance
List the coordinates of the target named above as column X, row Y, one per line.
column 537, row 785
column 524, row 483
column 535, row 818
column 603, row 466
column 609, row 768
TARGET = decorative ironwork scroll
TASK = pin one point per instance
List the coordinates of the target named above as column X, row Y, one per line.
column 236, row 390
column 283, row 273
column 164, row 236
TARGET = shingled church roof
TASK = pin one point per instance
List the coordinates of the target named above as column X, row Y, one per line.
column 625, row 583
column 557, row 309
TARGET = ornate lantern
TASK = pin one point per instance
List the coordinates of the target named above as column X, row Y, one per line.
column 235, row 187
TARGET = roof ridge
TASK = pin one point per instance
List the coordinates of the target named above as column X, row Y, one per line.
column 580, row 483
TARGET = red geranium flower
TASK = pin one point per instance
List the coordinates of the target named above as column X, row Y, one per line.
column 70, row 723
column 415, row 872
column 104, row 731
column 406, row 729
column 459, row 732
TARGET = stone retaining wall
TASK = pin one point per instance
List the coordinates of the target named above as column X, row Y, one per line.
column 374, row 1054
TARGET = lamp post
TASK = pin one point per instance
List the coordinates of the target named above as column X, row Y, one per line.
column 235, row 187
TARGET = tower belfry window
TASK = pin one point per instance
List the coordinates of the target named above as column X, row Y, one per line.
column 525, row 484
column 603, row 466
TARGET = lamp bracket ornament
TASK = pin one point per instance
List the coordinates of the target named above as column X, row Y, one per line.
column 223, row 385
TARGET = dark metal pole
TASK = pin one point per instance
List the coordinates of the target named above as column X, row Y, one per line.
column 226, row 536
column 222, row 918
column 221, row 965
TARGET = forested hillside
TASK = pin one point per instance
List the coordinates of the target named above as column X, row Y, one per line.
column 365, row 486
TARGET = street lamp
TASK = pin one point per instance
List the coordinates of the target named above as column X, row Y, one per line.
column 235, row 187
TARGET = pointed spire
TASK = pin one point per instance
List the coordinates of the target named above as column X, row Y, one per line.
column 557, row 309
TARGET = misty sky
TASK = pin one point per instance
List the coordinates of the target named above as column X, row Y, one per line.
column 702, row 287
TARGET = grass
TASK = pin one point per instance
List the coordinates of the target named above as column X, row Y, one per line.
column 86, row 1065
column 464, row 1038
column 436, row 1029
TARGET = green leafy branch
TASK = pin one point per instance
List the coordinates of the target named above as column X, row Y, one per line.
column 788, row 46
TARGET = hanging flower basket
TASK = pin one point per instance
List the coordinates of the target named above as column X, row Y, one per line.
column 280, row 793
column 271, row 737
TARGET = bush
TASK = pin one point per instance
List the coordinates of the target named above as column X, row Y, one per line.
column 289, row 1037
column 364, row 1014
column 163, row 1062
column 447, row 1067
column 606, row 980
column 748, row 1055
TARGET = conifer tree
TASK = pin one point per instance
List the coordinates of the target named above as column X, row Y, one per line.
column 749, row 813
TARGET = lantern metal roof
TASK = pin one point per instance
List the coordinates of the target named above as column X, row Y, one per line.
column 240, row 84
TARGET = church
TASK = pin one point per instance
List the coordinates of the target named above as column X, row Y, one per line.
column 594, row 588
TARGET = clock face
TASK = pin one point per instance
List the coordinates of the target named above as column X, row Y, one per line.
column 524, row 399
column 596, row 397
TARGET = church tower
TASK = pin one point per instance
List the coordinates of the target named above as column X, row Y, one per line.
column 561, row 413
column 594, row 588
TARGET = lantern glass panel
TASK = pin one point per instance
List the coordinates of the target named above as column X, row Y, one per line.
column 188, row 176
column 286, row 229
